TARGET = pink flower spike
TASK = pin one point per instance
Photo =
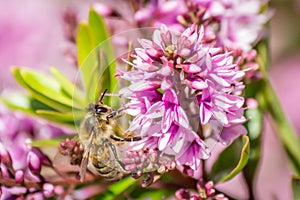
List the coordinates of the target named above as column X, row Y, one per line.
column 194, row 85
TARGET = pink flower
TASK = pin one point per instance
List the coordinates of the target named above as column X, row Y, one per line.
column 233, row 24
column 177, row 85
column 240, row 22
column 158, row 12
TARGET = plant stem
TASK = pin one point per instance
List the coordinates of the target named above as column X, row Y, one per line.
column 285, row 131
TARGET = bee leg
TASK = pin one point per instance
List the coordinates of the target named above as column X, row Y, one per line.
column 129, row 139
column 113, row 148
column 115, row 114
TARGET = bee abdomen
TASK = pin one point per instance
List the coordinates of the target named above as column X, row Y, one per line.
column 106, row 163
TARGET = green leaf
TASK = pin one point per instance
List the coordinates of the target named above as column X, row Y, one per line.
column 60, row 117
column 285, row 131
column 46, row 87
column 254, row 129
column 296, row 187
column 103, row 41
column 68, row 87
column 263, row 55
column 231, row 161
column 55, row 105
column 96, row 57
column 23, row 102
column 254, row 124
column 117, row 189
column 85, row 42
column 152, row 194
column 47, row 98
column 98, row 27
column 45, row 143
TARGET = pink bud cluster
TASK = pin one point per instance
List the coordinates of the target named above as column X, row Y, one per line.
column 72, row 148
column 205, row 191
column 147, row 160
column 21, row 165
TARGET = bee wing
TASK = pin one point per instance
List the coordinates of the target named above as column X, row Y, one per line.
column 85, row 158
column 83, row 165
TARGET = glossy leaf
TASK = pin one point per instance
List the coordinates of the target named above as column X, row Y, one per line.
column 254, row 123
column 55, row 105
column 231, row 161
column 296, row 187
column 85, row 42
column 285, row 131
column 60, row 117
column 103, row 43
column 96, row 60
column 98, row 27
column 152, row 194
column 254, row 129
column 116, row 190
column 47, row 87
column 68, row 87
column 23, row 102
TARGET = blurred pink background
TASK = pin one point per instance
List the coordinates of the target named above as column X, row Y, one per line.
column 31, row 34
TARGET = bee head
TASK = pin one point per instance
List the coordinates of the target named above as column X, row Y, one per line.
column 99, row 108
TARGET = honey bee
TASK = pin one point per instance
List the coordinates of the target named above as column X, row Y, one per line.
column 101, row 144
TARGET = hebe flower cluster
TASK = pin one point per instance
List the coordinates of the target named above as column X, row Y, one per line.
column 233, row 24
column 20, row 163
column 180, row 90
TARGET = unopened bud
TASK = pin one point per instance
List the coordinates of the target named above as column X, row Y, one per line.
column 194, row 197
column 136, row 175
column 45, row 160
column 5, row 156
column 182, row 194
column 34, row 163
column 6, row 174
column 148, row 179
column 188, row 171
column 172, row 165
column 59, row 190
column 162, row 169
column 48, row 190
column 251, row 55
column 19, row 176
column 220, row 197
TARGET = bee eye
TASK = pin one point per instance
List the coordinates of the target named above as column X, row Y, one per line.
column 100, row 109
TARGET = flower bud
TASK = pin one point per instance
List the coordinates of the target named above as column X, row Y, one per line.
column 148, row 179
column 182, row 194
column 19, row 176
column 194, row 197
column 34, row 163
column 59, row 190
column 5, row 157
column 48, row 190
column 136, row 175
column 6, row 174
column 220, row 197
column 43, row 158
column 188, row 171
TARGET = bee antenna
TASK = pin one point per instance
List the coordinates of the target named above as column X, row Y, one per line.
column 103, row 94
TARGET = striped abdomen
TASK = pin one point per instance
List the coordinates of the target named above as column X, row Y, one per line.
column 104, row 157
